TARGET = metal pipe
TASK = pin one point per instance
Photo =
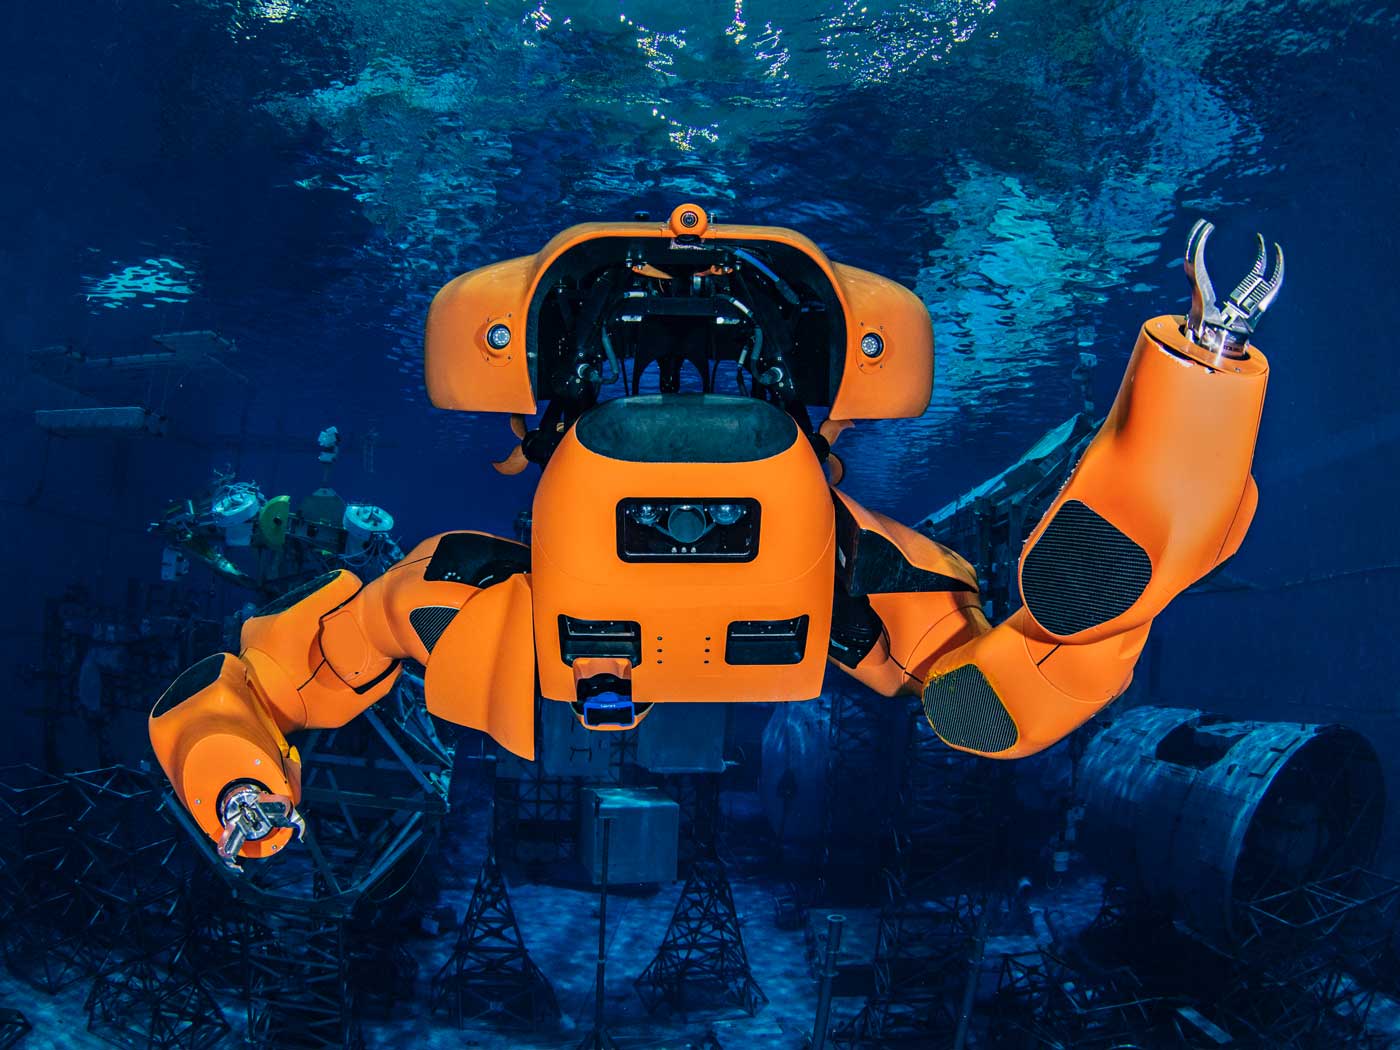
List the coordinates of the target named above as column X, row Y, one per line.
column 974, row 972
column 602, row 927
column 834, row 924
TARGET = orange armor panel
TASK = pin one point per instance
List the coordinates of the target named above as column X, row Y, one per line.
column 464, row 372
column 684, row 609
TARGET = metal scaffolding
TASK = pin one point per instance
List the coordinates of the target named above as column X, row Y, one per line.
column 702, row 958
column 1043, row 1001
column 536, row 816
column 95, row 884
column 144, row 1005
column 297, row 987
column 862, row 747
column 951, row 820
column 45, row 931
column 14, row 1026
column 490, row 974
column 921, row 968
column 96, row 887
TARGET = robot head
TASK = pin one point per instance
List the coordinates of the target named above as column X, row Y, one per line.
column 618, row 309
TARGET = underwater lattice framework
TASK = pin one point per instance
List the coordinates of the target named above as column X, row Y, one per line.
column 702, row 957
column 299, row 993
column 921, row 967
column 1041, row 1000
column 44, row 933
column 536, row 816
column 860, row 781
column 14, row 1026
column 490, row 973
column 1311, row 959
column 951, row 816
column 131, row 868
column 96, row 887
column 1303, row 975
column 144, row 1005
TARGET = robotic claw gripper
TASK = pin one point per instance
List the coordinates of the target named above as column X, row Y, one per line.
column 693, row 544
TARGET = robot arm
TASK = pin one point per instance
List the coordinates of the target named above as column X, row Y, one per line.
column 314, row 659
column 1162, row 495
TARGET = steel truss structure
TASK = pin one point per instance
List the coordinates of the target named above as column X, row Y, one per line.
column 921, row 967
column 702, row 958
column 490, row 974
column 536, row 816
column 95, row 888
column 952, row 817
column 14, row 1026
column 1303, row 975
column 1043, row 1001
column 144, row 1005
column 1312, row 959
column 95, row 885
column 862, row 750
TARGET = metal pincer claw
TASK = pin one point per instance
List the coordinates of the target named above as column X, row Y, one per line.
column 249, row 812
column 1226, row 329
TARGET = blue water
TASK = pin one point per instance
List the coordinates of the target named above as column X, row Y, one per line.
column 301, row 176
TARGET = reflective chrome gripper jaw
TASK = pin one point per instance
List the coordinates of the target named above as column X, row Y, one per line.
column 249, row 812
column 1227, row 329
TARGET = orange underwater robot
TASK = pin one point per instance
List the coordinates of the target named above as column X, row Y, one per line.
column 689, row 542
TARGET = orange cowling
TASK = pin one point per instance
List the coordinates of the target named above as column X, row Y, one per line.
column 1170, row 467
column 482, row 671
column 464, row 372
column 1043, row 701
column 1167, row 479
column 209, row 730
column 917, row 624
column 365, row 635
column 684, row 609
column 293, row 672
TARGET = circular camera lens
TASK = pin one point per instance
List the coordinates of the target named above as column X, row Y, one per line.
column 727, row 513
column 689, row 219
column 871, row 345
column 498, row 336
column 685, row 523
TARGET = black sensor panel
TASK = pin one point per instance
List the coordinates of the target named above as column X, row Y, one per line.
column 599, row 638
column 766, row 641
column 704, row 529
